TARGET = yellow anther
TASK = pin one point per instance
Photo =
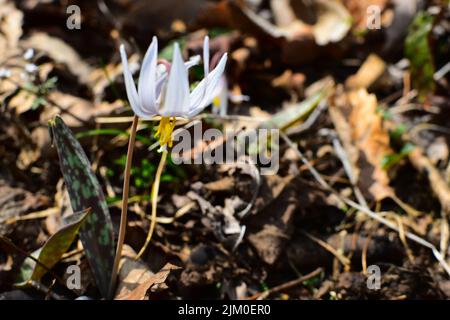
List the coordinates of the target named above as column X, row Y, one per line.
column 216, row 102
column 164, row 132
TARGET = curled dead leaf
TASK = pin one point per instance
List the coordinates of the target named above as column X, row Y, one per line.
column 132, row 272
column 140, row 293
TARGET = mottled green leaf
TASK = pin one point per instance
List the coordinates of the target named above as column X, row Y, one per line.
column 51, row 252
column 85, row 192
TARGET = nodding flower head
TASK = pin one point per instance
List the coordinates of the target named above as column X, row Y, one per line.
column 164, row 90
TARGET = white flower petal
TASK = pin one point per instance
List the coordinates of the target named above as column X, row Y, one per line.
column 205, row 63
column 176, row 102
column 206, row 56
column 193, row 61
column 221, row 92
column 130, row 87
column 203, row 94
column 147, row 78
column 162, row 72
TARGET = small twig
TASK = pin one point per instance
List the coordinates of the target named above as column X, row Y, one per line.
column 343, row 156
column 401, row 235
column 286, row 286
column 230, row 117
column 109, row 16
column 364, row 253
column 414, row 131
column 155, row 192
column 123, row 215
column 33, row 215
column 168, row 220
column 46, row 290
column 234, row 117
column 438, row 75
column 342, row 259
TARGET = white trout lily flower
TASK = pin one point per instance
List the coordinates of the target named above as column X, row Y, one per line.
column 164, row 90
column 222, row 95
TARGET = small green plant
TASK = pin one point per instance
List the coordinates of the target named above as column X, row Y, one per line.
column 143, row 174
column 418, row 51
column 40, row 91
column 392, row 159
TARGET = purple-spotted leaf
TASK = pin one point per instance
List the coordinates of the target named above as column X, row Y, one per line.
column 97, row 233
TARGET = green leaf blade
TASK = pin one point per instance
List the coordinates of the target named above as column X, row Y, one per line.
column 97, row 233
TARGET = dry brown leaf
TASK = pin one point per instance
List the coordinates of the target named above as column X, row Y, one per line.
column 132, row 272
column 75, row 110
column 333, row 22
column 224, row 184
column 438, row 151
column 15, row 202
column 10, row 54
column 101, row 78
column 25, row 99
column 293, row 83
column 312, row 28
column 370, row 71
column 283, row 13
column 22, row 101
column 372, row 140
column 365, row 140
column 27, row 156
column 159, row 278
column 10, row 27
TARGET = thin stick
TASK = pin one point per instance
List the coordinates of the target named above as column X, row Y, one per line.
column 46, row 290
column 31, row 216
column 286, row 286
column 123, row 215
column 342, row 259
column 155, row 191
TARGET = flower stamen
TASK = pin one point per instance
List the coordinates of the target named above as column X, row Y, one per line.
column 164, row 132
column 216, row 102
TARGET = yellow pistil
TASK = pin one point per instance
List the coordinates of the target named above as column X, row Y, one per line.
column 164, row 132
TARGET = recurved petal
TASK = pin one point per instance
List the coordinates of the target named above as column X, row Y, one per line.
column 203, row 94
column 193, row 61
column 176, row 102
column 147, row 78
column 130, row 87
column 206, row 56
